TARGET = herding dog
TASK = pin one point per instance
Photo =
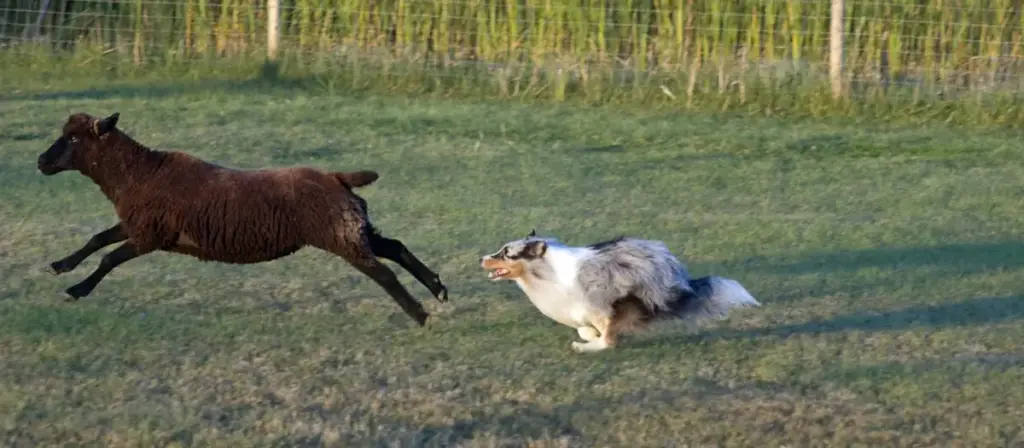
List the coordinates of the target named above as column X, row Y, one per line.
column 611, row 288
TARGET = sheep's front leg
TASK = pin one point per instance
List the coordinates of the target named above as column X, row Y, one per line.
column 98, row 241
column 111, row 260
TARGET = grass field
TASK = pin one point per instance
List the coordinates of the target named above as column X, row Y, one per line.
column 888, row 258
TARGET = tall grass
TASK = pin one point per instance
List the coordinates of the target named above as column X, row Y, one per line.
column 728, row 53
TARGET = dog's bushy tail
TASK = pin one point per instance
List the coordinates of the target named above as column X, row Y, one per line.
column 713, row 298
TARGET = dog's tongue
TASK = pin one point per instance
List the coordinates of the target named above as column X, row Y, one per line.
column 497, row 273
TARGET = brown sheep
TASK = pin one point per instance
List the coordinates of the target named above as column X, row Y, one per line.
column 171, row 201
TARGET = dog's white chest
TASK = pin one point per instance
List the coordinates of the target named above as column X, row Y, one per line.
column 561, row 306
column 560, row 298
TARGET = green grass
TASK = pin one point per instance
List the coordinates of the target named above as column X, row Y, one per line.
column 887, row 256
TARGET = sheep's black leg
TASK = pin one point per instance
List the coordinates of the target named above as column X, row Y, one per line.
column 111, row 260
column 386, row 279
column 98, row 241
column 394, row 250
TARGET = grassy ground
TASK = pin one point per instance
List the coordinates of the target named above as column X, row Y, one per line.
column 888, row 259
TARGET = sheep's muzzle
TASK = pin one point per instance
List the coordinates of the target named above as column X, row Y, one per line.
column 55, row 159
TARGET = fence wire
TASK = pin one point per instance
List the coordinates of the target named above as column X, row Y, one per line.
column 968, row 44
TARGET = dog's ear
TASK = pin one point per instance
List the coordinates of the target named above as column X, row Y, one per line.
column 536, row 249
column 105, row 125
column 533, row 233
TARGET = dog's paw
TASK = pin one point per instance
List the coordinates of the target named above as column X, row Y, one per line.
column 588, row 347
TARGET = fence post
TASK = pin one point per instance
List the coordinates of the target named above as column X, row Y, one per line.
column 835, row 52
column 273, row 12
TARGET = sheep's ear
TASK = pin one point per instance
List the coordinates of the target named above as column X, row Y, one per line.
column 533, row 233
column 106, row 125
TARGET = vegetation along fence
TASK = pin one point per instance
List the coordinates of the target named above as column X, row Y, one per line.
column 762, row 53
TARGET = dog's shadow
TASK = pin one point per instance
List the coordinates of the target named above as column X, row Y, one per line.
column 978, row 311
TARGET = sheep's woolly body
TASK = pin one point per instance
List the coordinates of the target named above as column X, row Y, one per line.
column 226, row 215
column 172, row 201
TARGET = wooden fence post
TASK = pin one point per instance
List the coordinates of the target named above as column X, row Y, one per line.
column 835, row 52
column 273, row 12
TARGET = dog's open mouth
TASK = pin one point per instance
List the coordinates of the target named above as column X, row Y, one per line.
column 498, row 274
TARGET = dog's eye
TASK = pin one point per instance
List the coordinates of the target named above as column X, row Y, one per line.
column 73, row 139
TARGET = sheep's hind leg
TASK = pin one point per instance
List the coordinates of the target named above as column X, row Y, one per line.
column 387, row 279
column 111, row 260
column 395, row 251
column 98, row 241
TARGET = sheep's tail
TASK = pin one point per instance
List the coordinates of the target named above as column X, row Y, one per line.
column 356, row 179
column 712, row 298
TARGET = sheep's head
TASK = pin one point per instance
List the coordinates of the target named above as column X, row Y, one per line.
column 79, row 136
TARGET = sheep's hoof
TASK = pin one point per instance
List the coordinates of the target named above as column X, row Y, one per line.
column 442, row 295
column 78, row 291
column 424, row 320
column 57, row 268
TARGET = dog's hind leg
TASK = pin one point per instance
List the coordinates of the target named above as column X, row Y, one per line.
column 115, row 234
column 628, row 315
column 394, row 250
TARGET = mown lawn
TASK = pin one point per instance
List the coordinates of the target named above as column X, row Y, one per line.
column 888, row 258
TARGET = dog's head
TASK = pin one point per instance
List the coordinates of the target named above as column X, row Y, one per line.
column 511, row 261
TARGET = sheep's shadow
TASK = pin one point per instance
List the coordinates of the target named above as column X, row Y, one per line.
column 979, row 311
column 963, row 257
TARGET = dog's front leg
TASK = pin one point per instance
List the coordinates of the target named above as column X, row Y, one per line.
column 602, row 336
column 588, row 333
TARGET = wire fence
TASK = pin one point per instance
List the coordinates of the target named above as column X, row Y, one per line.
column 936, row 46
